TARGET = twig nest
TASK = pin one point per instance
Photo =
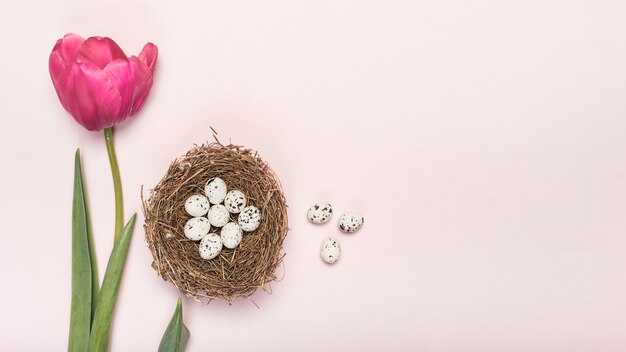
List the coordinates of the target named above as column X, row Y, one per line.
column 231, row 262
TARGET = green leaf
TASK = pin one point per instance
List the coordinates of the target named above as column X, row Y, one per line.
column 81, row 310
column 95, row 279
column 100, row 331
column 176, row 335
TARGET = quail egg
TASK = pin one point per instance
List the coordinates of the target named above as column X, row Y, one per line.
column 235, row 201
column 231, row 235
column 215, row 190
column 218, row 215
column 196, row 228
column 350, row 222
column 249, row 218
column 330, row 250
column 197, row 205
column 210, row 246
column 320, row 213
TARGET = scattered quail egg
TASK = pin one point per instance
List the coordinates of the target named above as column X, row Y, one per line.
column 235, row 201
column 197, row 205
column 231, row 235
column 196, row 228
column 249, row 218
column 330, row 250
column 215, row 189
column 218, row 215
column 210, row 246
column 320, row 213
column 350, row 222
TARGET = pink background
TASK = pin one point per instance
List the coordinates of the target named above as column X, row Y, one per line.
column 483, row 141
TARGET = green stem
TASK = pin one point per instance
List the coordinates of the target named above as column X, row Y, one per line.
column 117, row 183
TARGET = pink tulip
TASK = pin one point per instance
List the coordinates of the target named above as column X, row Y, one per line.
column 97, row 83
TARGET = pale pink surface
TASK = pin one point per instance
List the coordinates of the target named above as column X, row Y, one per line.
column 484, row 143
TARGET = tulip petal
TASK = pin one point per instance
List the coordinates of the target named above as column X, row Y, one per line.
column 92, row 99
column 148, row 55
column 143, row 82
column 64, row 55
column 57, row 67
column 100, row 51
column 68, row 47
column 120, row 75
column 59, row 77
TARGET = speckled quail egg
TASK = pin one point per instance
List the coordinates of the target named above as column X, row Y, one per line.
column 235, row 201
column 320, row 213
column 215, row 189
column 218, row 215
column 231, row 235
column 350, row 222
column 330, row 250
column 197, row 205
column 210, row 246
column 249, row 218
column 196, row 228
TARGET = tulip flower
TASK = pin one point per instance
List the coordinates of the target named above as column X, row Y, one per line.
column 100, row 87
column 97, row 83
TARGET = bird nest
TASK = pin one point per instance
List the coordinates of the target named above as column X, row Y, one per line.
column 235, row 273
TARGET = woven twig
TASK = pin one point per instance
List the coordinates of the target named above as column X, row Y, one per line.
column 235, row 273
